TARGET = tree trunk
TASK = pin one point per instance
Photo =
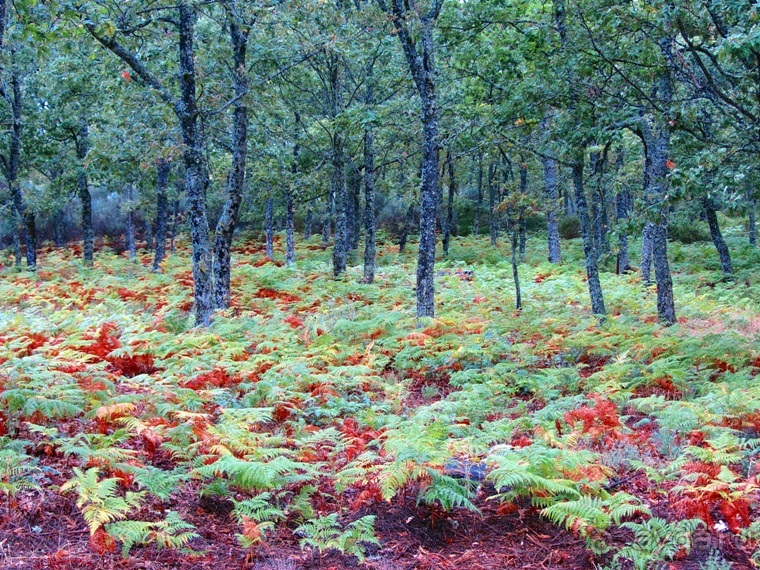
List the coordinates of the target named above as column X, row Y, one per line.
column 309, row 222
column 357, row 212
column 290, row 244
column 328, row 216
column 422, row 68
column 339, row 191
column 479, row 198
column 225, row 226
column 717, row 237
column 521, row 222
column 449, row 223
column 647, row 242
column 196, row 171
column 129, row 226
column 162, row 212
column 82, row 141
column 59, row 227
column 175, row 221
column 592, row 269
column 751, row 218
column 16, row 231
column 193, row 145
column 515, row 273
column 493, row 224
column 552, row 223
column 269, row 216
column 408, row 221
column 621, row 207
column 12, row 165
column 369, row 193
column 657, row 148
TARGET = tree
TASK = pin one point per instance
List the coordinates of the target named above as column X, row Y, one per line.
column 420, row 59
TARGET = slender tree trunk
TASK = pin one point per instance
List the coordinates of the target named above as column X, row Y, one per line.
column 225, row 227
column 665, row 302
column 521, row 222
column 717, row 237
column 605, row 222
column 290, row 244
column 350, row 213
column 449, row 224
column 370, row 245
column 751, row 218
column 429, row 189
column 655, row 134
column 406, row 228
column 339, row 189
column 175, row 221
column 12, row 165
column 196, row 171
column 328, row 215
column 552, row 223
column 59, row 227
column 421, row 64
column 82, row 141
column 647, row 243
column 162, row 212
column 493, row 223
column 16, row 231
column 515, row 273
column 269, row 217
column 479, row 198
column 592, row 269
column 290, row 215
column 309, row 222
column 621, row 207
column 129, row 226
column 357, row 213
column 339, row 186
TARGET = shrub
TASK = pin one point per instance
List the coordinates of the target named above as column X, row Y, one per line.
column 570, row 227
column 535, row 223
column 688, row 232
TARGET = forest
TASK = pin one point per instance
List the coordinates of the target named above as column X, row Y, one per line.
column 381, row 284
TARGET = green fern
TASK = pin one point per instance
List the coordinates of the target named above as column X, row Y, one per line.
column 257, row 474
column 17, row 472
column 325, row 533
column 98, row 500
column 592, row 516
column 258, row 508
column 447, row 491
column 159, row 482
column 657, row 540
column 172, row 532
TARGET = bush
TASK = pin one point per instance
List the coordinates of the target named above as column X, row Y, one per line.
column 570, row 227
column 535, row 223
column 688, row 232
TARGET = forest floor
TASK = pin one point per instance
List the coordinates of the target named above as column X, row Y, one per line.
column 485, row 438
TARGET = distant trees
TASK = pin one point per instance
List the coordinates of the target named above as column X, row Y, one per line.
column 618, row 117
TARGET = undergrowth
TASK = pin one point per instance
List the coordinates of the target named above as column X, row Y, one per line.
column 311, row 400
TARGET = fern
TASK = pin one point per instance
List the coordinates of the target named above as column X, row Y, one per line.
column 258, row 508
column 159, row 482
column 98, row 500
column 17, row 472
column 591, row 516
column 257, row 474
column 447, row 491
column 325, row 533
column 172, row 532
column 657, row 540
